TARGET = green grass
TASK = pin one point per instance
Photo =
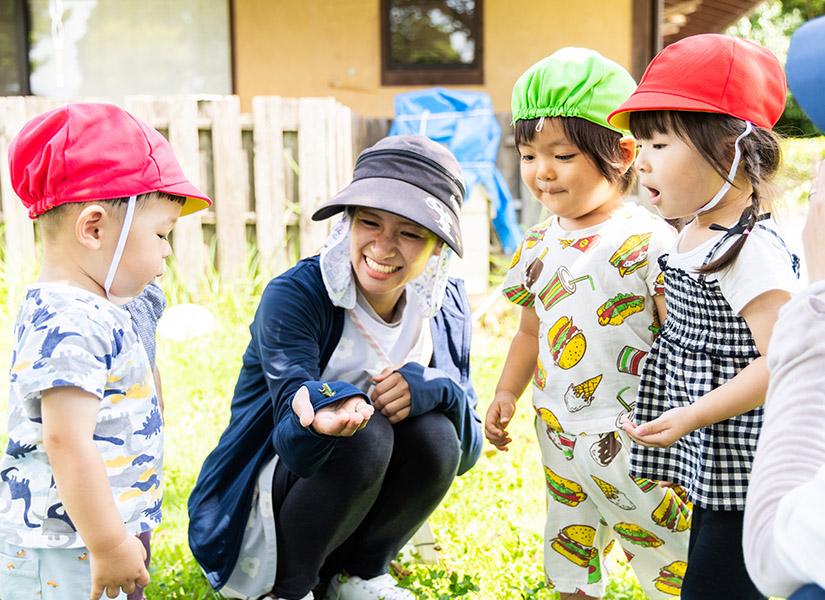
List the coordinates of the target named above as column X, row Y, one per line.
column 488, row 528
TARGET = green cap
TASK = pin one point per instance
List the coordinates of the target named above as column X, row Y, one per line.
column 572, row 82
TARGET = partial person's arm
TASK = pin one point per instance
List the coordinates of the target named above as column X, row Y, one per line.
column 69, row 420
column 784, row 538
column 515, row 377
column 445, row 385
column 741, row 394
column 287, row 339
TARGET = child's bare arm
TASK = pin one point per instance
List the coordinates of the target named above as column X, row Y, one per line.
column 156, row 376
column 741, row 394
column 69, row 419
column 661, row 307
column 515, row 377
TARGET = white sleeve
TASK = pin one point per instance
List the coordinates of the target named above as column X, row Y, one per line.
column 787, row 478
column 764, row 264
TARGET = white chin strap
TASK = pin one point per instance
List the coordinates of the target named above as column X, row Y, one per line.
column 121, row 242
column 734, row 166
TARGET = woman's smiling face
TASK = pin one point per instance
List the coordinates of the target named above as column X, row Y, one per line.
column 387, row 251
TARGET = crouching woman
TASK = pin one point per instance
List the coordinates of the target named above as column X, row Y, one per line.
column 354, row 410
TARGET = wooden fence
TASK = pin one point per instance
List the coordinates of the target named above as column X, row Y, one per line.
column 266, row 172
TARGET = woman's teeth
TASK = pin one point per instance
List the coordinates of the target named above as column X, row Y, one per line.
column 379, row 267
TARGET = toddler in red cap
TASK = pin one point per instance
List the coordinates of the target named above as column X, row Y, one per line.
column 702, row 116
column 82, row 475
column 587, row 284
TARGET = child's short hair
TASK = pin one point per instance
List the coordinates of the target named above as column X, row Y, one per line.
column 599, row 144
column 91, row 152
column 50, row 221
column 581, row 87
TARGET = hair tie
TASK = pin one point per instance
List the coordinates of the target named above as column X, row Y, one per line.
column 741, row 227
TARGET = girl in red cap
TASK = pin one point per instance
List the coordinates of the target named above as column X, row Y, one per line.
column 702, row 116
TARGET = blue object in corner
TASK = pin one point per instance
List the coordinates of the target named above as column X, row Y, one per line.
column 465, row 123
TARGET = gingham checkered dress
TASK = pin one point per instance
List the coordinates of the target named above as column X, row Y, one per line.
column 702, row 345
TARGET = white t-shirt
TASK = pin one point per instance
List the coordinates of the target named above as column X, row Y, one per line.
column 406, row 339
column 67, row 336
column 762, row 265
column 592, row 290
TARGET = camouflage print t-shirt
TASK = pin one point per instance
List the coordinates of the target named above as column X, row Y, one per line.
column 66, row 336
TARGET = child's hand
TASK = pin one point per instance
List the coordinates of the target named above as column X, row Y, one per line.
column 665, row 430
column 119, row 568
column 340, row 419
column 499, row 415
column 391, row 395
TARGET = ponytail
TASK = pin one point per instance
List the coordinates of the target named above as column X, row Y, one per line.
column 761, row 156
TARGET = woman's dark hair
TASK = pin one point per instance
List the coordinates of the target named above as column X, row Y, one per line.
column 599, row 144
column 713, row 135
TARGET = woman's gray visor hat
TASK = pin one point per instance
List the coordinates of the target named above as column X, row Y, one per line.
column 410, row 176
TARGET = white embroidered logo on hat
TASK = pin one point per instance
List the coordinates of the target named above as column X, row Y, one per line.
column 442, row 219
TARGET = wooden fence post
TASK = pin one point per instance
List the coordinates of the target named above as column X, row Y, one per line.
column 231, row 185
column 17, row 228
column 270, row 188
column 313, row 160
column 179, row 116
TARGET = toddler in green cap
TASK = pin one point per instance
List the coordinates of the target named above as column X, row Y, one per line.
column 590, row 290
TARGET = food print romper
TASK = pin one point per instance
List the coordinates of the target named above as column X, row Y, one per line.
column 592, row 291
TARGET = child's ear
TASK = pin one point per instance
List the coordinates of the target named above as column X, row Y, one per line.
column 628, row 147
column 87, row 228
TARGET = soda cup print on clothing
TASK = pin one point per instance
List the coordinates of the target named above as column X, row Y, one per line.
column 630, row 360
column 560, row 287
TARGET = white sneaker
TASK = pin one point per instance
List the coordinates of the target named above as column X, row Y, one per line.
column 383, row 587
column 274, row 597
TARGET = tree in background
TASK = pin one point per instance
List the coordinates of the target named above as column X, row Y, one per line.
column 771, row 25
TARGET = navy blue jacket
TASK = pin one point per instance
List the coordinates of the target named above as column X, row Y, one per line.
column 295, row 331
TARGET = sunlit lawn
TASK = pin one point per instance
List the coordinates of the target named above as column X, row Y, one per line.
column 488, row 528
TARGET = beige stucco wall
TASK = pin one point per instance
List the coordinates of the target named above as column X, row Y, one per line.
column 332, row 47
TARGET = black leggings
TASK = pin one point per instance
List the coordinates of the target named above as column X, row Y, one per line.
column 367, row 500
column 716, row 561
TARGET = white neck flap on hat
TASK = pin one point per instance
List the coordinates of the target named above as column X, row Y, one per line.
column 336, row 271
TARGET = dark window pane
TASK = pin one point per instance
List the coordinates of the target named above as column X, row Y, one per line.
column 432, row 33
column 431, row 41
column 13, row 71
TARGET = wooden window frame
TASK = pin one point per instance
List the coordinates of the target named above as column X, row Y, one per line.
column 437, row 75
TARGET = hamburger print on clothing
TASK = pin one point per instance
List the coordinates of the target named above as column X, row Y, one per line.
column 592, row 291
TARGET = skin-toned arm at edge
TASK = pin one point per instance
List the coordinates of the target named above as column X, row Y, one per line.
column 741, row 394
column 786, row 480
column 814, row 231
column 515, row 377
column 69, row 419
column 661, row 307
column 156, row 375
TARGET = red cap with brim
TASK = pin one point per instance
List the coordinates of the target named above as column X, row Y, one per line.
column 89, row 151
column 711, row 73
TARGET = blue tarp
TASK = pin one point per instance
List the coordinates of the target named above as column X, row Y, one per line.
column 465, row 123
